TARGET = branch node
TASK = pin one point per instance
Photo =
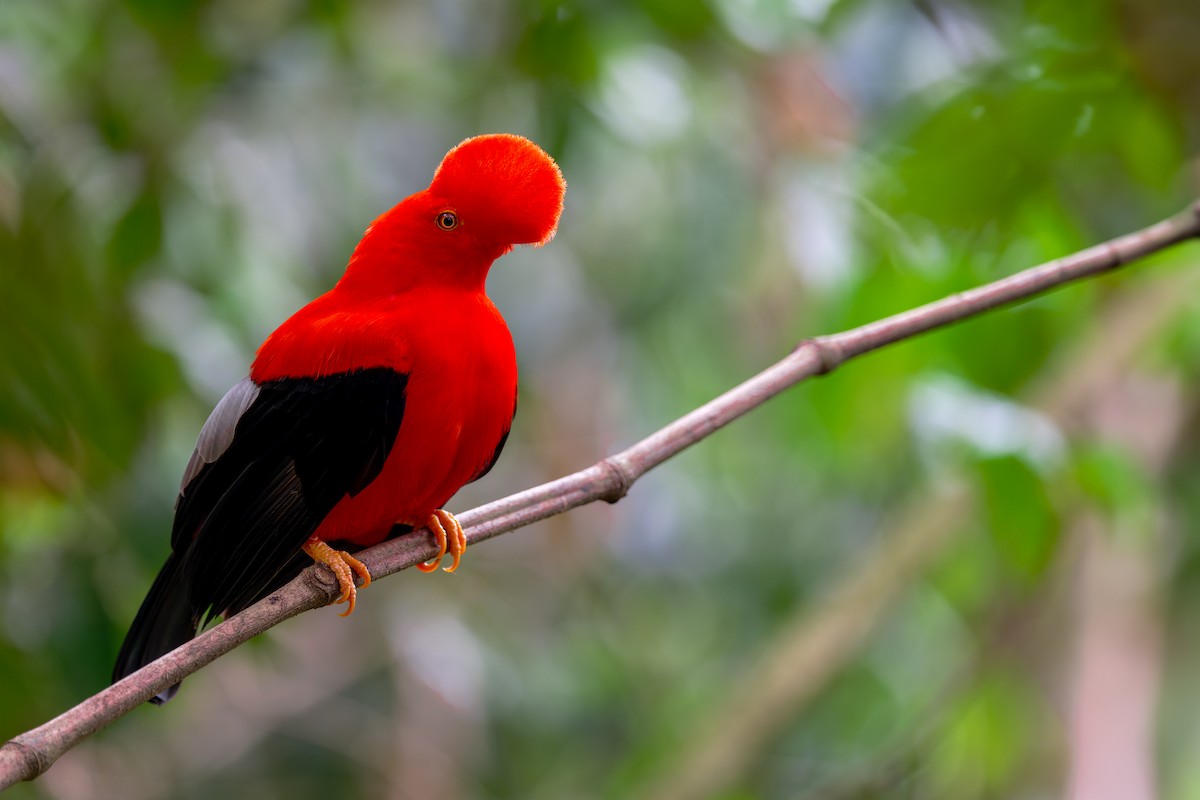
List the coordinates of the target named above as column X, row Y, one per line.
column 830, row 354
column 326, row 581
column 622, row 476
column 31, row 756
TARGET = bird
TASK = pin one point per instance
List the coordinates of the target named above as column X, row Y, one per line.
column 365, row 411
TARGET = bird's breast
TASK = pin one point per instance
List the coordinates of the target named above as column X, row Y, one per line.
column 458, row 405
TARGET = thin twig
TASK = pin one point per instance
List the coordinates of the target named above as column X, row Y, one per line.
column 30, row 754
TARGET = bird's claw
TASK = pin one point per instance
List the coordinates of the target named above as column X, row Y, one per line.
column 343, row 566
column 450, row 537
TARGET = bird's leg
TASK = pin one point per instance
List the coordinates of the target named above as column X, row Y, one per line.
column 343, row 566
column 450, row 539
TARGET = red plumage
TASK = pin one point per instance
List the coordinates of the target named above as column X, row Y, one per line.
column 371, row 406
column 413, row 299
column 462, row 383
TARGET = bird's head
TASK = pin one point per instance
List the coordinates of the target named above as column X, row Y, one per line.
column 504, row 186
column 490, row 193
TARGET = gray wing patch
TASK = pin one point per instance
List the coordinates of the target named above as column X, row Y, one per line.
column 218, row 430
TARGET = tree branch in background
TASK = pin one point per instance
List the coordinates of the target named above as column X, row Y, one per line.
column 32, row 753
column 810, row 650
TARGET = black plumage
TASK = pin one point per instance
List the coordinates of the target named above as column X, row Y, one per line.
column 271, row 463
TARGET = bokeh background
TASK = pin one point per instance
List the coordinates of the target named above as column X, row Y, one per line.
column 964, row 567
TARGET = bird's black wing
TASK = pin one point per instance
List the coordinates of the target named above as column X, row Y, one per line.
column 270, row 464
column 499, row 446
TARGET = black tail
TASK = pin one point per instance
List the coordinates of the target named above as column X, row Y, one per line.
column 164, row 622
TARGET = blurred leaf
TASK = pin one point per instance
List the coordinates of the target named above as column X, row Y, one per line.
column 687, row 21
column 1112, row 479
column 1023, row 524
column 559, row 45
column 137, row 236
column 986, row 740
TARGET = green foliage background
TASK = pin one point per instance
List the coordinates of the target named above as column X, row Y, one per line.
column 177, row 177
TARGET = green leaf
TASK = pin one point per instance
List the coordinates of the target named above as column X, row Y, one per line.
column 1021, row 520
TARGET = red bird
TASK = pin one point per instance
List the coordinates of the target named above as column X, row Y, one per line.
column 366, row 411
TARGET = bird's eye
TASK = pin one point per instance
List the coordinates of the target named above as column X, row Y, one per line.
column 447, row 220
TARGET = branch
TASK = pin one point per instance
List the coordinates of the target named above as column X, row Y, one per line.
column 811, row 648
column 30, row 754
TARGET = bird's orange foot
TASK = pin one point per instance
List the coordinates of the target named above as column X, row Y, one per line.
column 450, row 539
column 343, row 566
